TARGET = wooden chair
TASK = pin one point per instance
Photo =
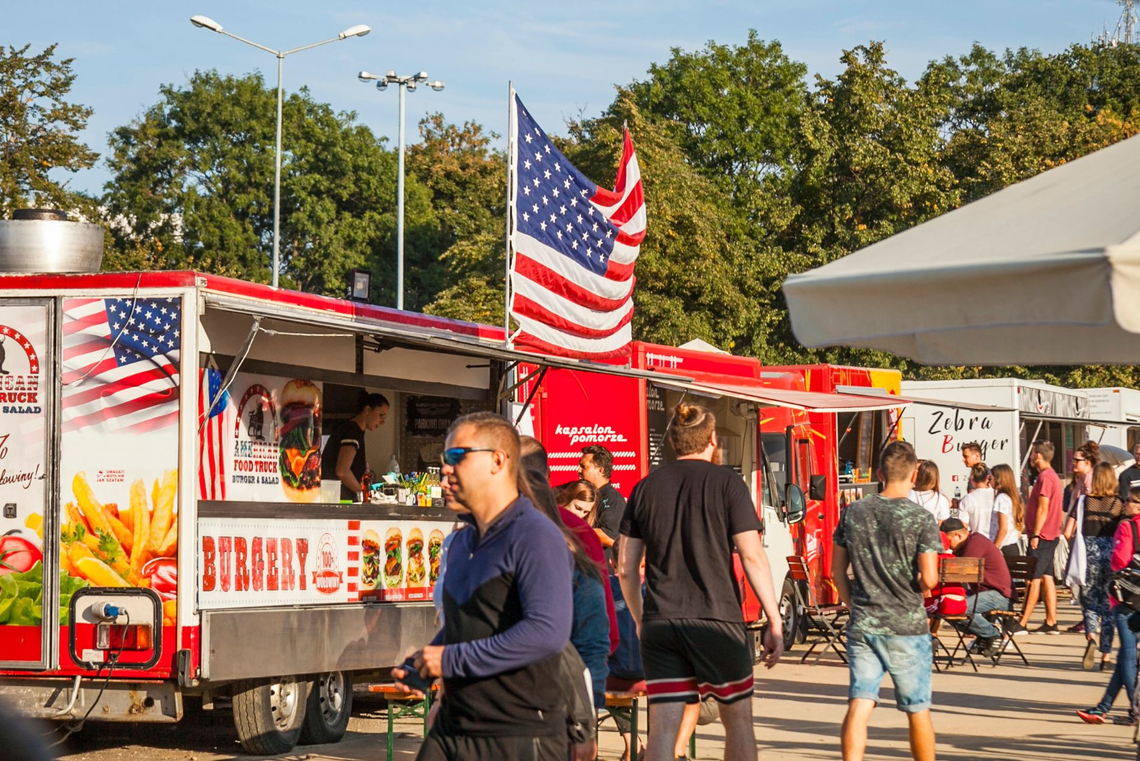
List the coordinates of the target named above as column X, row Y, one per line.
column 959, row 572
column 1021, row 572
column 827, row 623
column 403, row 705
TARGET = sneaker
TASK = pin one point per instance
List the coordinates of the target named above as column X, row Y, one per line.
column 1089, row 659
column 983, row 646
column 1077, row 628
column 1092, row 716
column 1018, row 630
column 1125, row 721
column 1047, row 629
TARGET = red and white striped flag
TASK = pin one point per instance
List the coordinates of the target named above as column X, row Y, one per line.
column 211, row 435
column 575, row 246
column 120, row 363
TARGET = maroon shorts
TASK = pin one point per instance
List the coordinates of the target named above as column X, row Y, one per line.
column 686, row 660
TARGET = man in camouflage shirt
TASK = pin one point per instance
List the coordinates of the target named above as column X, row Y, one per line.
column 891, row 545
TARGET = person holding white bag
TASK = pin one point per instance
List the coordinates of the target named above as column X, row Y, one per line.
column 1093, row 522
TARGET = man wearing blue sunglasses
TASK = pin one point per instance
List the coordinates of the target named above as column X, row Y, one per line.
column 507, row 600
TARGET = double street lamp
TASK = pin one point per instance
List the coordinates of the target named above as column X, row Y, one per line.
column 202, row 22
column 407, row 84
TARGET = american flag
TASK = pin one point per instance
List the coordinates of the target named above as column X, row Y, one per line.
column 575, row 247
column 211, row 435
column 120, row 363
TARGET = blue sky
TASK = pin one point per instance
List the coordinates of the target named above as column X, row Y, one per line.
column 562, row 65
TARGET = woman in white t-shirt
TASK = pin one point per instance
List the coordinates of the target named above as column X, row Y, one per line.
column 1008, row 519
column 926, row 494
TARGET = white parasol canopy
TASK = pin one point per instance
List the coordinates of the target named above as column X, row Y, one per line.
column 1046, row 271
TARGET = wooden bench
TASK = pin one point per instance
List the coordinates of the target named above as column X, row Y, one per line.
column 401, row 704
column 627, row 704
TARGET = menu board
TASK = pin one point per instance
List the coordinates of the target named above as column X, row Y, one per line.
column 249, row 562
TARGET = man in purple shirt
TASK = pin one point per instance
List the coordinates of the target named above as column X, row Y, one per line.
column 1043, row 527
column 508, row 604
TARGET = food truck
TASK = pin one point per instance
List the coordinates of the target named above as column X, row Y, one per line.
column 1116, row 403
column 773, row 429
column 166, row 533
column 1003, row 415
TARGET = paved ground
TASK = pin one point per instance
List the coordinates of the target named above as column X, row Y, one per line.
column 1008, row 712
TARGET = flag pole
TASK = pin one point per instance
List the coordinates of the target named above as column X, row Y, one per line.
column 511, row 151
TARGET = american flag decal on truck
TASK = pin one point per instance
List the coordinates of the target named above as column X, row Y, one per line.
column 120, row 363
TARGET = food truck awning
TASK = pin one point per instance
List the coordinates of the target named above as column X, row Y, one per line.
column 808, row 401
column 1046, row 271
column 971, row 406
column 421, row 337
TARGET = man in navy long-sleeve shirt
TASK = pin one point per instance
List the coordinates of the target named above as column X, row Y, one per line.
column 508, row 608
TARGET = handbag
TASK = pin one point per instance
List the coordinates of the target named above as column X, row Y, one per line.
column 1061, row 559
column 576, row 685
column 1125, row 583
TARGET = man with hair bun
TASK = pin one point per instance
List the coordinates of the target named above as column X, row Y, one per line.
column 684, row 518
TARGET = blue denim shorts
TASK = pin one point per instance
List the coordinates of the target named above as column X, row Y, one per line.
column 908, row 659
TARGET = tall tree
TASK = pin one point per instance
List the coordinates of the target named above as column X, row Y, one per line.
column 39, row 132
column 733, row 111
column 694, row 272
column 192, row 186
column 467, row 181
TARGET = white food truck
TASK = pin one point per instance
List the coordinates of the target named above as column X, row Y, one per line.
column 1121, row 404
column 1002, row 415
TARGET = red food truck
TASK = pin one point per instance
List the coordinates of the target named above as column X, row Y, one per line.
column 776, row 426
column 165, row 533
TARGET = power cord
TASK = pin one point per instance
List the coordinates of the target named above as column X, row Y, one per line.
column 73, row 727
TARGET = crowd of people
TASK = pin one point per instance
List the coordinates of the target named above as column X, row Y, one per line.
column 550, row 595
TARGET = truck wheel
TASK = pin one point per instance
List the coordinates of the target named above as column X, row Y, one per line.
column 790, row 613
column 328, row 709
column 268, row 714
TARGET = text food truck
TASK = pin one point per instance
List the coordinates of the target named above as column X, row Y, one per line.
column 764, row 427
column 165, row 530
column 1004, row 416
column 1121, row 404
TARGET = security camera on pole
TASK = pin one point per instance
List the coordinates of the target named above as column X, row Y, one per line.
column 409, row 84
column 203, row 22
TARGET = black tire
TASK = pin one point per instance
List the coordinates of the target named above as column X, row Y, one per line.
column 790, row 612
column 328, row 709
column 268, row 714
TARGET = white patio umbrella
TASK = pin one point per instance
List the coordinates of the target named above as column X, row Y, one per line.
column 1046, row 271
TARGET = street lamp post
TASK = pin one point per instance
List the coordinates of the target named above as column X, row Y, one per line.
column 202, row 22
column 407, row 84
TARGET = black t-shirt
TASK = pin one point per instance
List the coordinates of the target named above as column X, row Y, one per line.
column 1129, row 478
column 611, row 508
column 687, row 512
column 347, row 434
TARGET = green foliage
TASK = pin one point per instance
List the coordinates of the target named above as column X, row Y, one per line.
column 750, row 174
column 193, row 187
column 467, row 180
column 38, row 132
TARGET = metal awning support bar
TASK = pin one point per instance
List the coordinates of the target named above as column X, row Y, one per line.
column 426, row 338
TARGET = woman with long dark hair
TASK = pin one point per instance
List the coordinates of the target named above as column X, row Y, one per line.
column 594, row 618
column 1008, row 521
column 926, row 493
column 1098, row 510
